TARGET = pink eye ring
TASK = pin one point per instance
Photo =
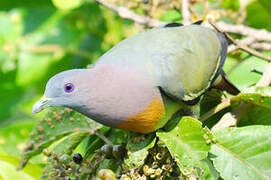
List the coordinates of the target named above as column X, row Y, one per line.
column 69, row 87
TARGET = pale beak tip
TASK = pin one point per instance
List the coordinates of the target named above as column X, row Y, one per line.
column 37, row 108
column 41, row 104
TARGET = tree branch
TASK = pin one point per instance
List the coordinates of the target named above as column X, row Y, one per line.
column 126, row 13
column 252, row 33
column 261, row 45
column 241, row 46
column 246, row 41
column 258, row 34
column 266, row 78
column 185, row 12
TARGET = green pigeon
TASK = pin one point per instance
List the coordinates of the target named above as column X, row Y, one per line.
column 140, row 83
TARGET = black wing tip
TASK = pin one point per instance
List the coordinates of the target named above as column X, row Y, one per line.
column 193, row 101
column 174, row 24
column 226, row 85
column 198, row 22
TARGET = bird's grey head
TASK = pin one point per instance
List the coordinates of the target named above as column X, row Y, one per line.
column 63, row 89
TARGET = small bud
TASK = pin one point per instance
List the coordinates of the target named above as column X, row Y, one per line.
column 106, row 174
column 107, row 150
column 145, row 1
column 64, row 158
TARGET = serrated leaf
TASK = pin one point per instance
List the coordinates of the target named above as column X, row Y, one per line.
column 57, row 123
column 188, row 143
column 208, row 170
column 253, row 98
column 243, row 153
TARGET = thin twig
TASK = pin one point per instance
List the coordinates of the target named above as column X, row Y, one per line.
column 258, row 34
column 107, row 141
column 185, row 12
column 126, row 13
column 266, row 78
column 261, row 45
column 246, row 41
column 241, row 46
column 252, row 33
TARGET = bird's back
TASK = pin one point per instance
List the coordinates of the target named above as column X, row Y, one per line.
column 181, row 60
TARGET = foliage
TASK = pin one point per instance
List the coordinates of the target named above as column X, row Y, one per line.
column 41, row 38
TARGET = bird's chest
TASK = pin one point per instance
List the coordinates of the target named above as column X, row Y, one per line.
column 125, row 99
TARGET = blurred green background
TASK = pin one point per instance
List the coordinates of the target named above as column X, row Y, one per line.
column 41, row 38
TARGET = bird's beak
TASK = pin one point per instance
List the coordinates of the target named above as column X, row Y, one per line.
column 41, row 104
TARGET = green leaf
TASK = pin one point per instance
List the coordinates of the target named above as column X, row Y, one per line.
column 229, row 4
column 67, row 4
column 8, row 171
column 266, row 4
column 31, row 169
column 138, row 146
column 241, row 75
column 259, row 19
column 258, row 108
column 188, row 143
column 212, row 107
column 256, row 111
column 57, row 123
column 13, row 137
column 208, row 170
column 70, row 142
column 243, row 153
column 171, row 16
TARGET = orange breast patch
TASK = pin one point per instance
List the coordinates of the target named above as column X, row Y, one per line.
column 145, row 121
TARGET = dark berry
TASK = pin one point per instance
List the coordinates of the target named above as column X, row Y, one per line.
column 145, row 1
column 77, row 158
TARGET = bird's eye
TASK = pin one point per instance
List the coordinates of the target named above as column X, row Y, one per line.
column 69, row 87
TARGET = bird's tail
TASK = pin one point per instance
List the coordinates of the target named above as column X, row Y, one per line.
column 224, row 84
